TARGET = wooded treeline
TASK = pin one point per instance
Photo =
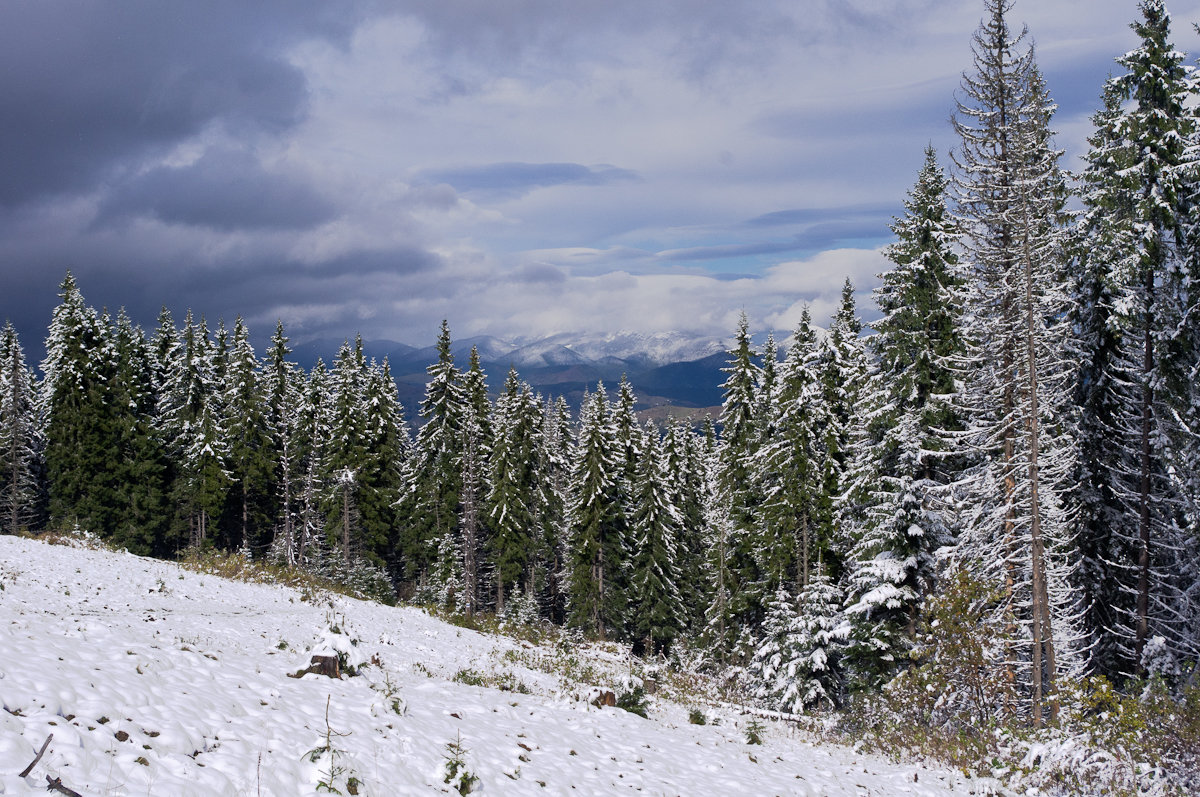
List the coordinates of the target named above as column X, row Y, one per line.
column 1019, row 438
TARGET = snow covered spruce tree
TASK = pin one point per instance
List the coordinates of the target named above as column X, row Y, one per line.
column 283, row 384
column 196, row 439
column 893, row 563
column 843, row 368
column 1017, row 384
column 475, row 459
column 739, row 439
column 312, row 433
column 343, row 451
column 1106, row 237
column 251, row 505
column 656, row 602
column 20, row 439
column 557, row 456
column 685, row 470
column 430, row 508
column 1138, row 315
column 723, row 637
column 797, row 664
column 386, row 448
column 788, row 468
column 514, row 498
column 139, row 468
column 901, row 460
column 919, row 335
column 597, row 548
column 629, row 442
column 79, row 429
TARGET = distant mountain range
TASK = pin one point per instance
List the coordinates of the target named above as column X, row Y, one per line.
column 671, row 373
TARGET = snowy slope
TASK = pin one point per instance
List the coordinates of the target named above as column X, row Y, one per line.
column 158, row 680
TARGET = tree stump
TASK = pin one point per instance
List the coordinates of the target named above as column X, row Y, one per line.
column 321, row 665
column 605, row 698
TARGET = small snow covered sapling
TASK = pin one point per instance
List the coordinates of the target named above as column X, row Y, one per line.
column 754, row 731
column 633, row 701
column 331, row 753
column 455, row 772
column 696, row 717
column 391, row 693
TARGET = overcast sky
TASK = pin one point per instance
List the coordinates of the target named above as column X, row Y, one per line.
column 521, row 168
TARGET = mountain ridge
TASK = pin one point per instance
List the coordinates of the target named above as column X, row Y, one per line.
column 666, row 369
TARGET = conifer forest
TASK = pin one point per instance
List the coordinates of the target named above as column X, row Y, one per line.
column 990, row 495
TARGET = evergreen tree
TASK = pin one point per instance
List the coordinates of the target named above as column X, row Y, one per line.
column 738, row 446
column 79, row 429
column 1011, row 198
column 685, row 471
column 475, row 394
column 765, row 410
column 724, row 636
column 431, row 505
column 283, row 385
column 162, row 353
column 1154, row 295
column 655, row 597
column 140, row 464
column 251, row 462
column 797, row 664
column 476, row 448
column 843, row 369
column 385, row 451
column 1107, row 236
column 789, row 468
column 894, row 561
column 473, row 529
column 514, row 496
column 598, row 549
column 901, row 463
column 629, row 441
column 772, row 671
column 20, row 439
column 312, row 435
column 554, row 478
column 345, row 450
column 918, row 335
column 193, row 418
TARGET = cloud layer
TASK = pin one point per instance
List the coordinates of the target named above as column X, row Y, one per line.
column 521, row 168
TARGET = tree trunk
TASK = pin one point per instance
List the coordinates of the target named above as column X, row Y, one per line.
column 1143, row 586
column 289, row 536
column 245, row 515
column 1043, row 640
column 803, row 551
column 346, row 523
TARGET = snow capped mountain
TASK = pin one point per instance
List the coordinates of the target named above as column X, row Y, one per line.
column 632, row 349
column 544, row 353
column 638, row 348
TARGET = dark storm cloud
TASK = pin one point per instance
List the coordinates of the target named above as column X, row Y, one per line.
column 91, row 87
column 515, row 179
column 253, row 287
column 222, row 190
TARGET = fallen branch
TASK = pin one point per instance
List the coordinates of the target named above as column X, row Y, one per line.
column 25, row 772
column 55, row 784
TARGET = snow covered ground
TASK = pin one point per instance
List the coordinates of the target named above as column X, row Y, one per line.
column 155, row 680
